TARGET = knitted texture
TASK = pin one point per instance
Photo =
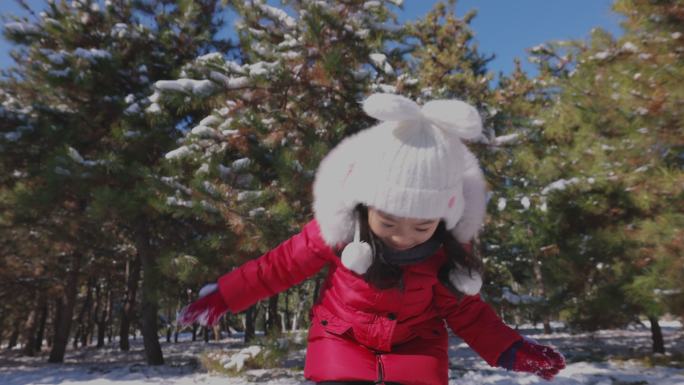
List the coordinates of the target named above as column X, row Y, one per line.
column 412, row 164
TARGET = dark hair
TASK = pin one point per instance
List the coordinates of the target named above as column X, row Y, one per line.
column 384, row 275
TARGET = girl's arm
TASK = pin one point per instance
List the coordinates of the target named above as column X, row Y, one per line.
column 475, row 322
column 286, row 265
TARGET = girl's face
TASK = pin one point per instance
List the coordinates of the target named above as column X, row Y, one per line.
column 400, row 233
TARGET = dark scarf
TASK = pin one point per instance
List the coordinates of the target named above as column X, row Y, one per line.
column 411, row 256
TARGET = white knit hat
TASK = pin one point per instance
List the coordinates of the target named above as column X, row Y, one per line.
column 412, row 165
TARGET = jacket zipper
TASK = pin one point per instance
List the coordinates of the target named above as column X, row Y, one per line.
column 381, row 370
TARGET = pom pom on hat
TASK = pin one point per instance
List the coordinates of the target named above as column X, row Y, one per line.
column 357, row 256
column 466, row 281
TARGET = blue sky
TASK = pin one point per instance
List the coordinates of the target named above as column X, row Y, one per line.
column 505, row 28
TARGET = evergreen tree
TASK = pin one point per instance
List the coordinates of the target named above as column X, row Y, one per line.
column 607, row 155
column 274, row 110
column 85, row 159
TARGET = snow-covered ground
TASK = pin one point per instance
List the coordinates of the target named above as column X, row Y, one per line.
column 609, row 357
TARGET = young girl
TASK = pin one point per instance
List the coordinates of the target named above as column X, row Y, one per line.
column 395, row 209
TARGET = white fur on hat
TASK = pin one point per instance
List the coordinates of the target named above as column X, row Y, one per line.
column 412, row 164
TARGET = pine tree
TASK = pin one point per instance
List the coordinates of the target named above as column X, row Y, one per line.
column 607, row 156
column 270, row 114
column 83, row 175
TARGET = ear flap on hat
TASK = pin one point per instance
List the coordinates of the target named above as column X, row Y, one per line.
column 332, row 209
column 475, row 197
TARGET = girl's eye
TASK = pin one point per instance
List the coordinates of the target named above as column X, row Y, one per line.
column 386, row 224
column 422, row 230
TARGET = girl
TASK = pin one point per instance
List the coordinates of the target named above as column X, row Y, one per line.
column 395, row 209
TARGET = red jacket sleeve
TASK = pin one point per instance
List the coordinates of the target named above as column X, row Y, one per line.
column 476, row 323
column 284, row 266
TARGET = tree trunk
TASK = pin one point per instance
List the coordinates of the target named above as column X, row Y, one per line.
column 53, row 323
column 299, row 309
column 657, row 336
column 226, row 324
column 150, row 297
column 110, row 315
column 31, row 326
column 102, row 311
column 14, row 337
column 168, row 324
column 91, row 314
column 66, row 305
column 286, row 315
column 41, row 324
column 128, row 310
column 272, row 317
column 250, row 319
column 82, row 317
column 541, row 292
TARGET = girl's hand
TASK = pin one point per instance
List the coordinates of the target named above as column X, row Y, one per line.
column 530, row 357
column 206, row 311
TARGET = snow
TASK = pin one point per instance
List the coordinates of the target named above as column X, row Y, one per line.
column 178, row 153
column 197, row 87
column 245, row 195
column 133, row 109
column 371, row 4
column 229, row 82
column 173, row 201
column 12, row 136
column 560, row 184
column 525, row 201
column 241, row 163
column 203, row 131
column 603, row 55
column 237, row 361
column 17, row 27
column 630, row 47
column 278, row 15
column 501, row 204
column 60, row 73
column 92, row 54
column 153, row 108
column 261, row 68
column 56, row 58
column 605, row 357
column 76, row 157
column 505, row 139
column 380, row 61
column 257, row 212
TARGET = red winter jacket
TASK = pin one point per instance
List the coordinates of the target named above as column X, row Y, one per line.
column 360, row 333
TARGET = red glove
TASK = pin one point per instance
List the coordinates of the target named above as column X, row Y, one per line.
column 206, row 311
column 530, row 357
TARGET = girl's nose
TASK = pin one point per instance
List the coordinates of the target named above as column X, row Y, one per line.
column 401, row 242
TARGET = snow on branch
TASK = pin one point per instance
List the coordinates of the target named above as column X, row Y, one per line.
column 505, row 140
column 196, row 87
column 18, row 27
column 560, row 184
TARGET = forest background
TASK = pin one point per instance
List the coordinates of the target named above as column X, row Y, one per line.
column 143, row 152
